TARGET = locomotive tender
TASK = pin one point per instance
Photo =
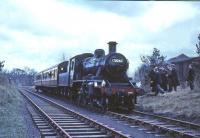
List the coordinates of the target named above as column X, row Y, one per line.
column 96, row 79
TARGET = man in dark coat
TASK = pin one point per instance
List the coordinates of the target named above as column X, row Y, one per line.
column 173, row 78
column 155, row 81
column 175, row 81
column 164, row 81
column 191, row 76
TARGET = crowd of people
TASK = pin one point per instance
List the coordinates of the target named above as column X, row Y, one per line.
column 166, row 79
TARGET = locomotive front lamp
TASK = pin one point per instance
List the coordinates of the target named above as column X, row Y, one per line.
column 130, row 93
column 95, row 84
column 103, row 83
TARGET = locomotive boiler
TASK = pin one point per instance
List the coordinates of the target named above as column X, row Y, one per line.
column 97, row 79
column 112, row 67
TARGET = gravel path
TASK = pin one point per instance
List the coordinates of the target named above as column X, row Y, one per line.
column 31, row 129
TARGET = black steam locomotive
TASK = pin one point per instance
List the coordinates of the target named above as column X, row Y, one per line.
column 97, row 79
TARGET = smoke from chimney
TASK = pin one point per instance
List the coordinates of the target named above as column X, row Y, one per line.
column 112, row 46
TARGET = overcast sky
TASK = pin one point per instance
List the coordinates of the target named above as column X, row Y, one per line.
column 35, row 33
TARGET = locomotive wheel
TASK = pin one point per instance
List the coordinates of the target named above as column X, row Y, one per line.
column 79, row 99
column 112, row 102
column 104, row 101
column 36, row 89
column 131, row 103
column 82, row 99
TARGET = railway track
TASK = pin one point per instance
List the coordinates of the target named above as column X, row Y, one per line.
column 55, row 120
column 159, row 124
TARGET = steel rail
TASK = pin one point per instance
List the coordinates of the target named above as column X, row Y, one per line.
column 184, row 123
column 162, row 129
column 55, row 126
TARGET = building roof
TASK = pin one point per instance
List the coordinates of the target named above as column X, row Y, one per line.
column 180, row 58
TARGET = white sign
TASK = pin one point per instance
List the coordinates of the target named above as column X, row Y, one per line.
column 117, row 60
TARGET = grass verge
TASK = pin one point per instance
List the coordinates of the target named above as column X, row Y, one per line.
column 11, row 119
column 183, row 103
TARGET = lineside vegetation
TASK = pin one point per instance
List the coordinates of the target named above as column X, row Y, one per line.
column 182, row 104
column 11, row 119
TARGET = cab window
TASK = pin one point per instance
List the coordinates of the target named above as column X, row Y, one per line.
column 63, row 68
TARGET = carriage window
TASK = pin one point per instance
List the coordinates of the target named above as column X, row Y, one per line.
column 38, row 77
column 50, row 74
column 72, row 65
column 53, row 74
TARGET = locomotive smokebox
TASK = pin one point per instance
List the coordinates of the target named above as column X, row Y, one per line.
column 112, row 46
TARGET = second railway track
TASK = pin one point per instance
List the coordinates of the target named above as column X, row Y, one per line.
column 159, row 124
column 56, row 120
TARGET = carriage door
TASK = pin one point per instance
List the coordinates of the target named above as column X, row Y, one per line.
column 72, row 65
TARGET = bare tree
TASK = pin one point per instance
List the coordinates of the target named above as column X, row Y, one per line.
column 3, row 78
column 22, row 76
column 63, row 57
column 17, row 76
column 29, row 77
column 198, row 46
column 1, row 65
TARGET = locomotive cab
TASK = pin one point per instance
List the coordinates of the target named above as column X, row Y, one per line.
column 76, row 67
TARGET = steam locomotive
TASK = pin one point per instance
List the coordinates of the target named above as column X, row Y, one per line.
column 97, row 79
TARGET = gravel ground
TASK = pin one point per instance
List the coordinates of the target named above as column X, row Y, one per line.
column 31, row 129
column 104, row 119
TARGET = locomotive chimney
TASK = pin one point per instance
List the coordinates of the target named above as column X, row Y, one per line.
column 112, row 46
